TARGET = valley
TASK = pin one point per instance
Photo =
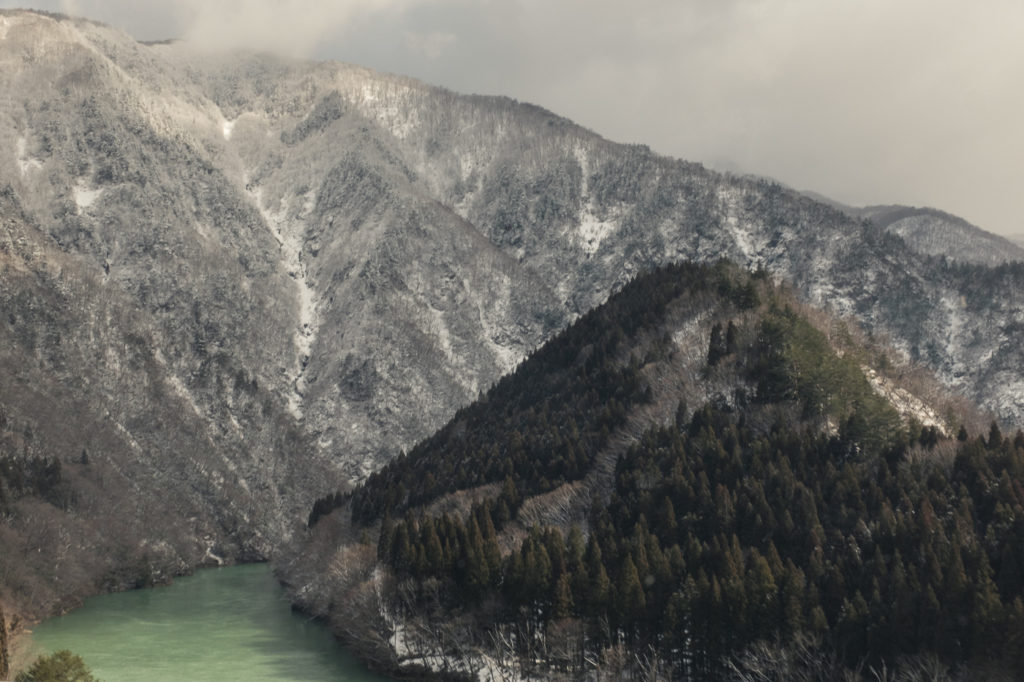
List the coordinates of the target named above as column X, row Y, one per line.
column 235, row 284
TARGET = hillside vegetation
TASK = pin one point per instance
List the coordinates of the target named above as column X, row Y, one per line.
column 234, row 283
column 791, row 503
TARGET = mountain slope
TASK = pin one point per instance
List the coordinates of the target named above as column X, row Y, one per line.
column 336, row 188
column 584, row 215
column 142, row 482
column 319, row 264
column 699, row 465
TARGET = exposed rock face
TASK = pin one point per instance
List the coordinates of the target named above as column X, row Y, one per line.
column 273, row 275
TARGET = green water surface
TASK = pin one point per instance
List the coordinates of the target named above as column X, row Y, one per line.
column 220, row 624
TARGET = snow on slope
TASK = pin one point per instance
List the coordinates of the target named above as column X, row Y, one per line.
column 289, row 229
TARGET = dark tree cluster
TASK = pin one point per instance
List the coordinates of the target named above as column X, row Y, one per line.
column 465, row 555
column 36, row 476
column 323, row 506
column 716, row 538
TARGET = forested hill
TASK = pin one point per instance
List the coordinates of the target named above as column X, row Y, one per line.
column 700, row 478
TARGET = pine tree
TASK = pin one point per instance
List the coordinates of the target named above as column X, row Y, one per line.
column 629, row 594
column 598, row 584
column 668, row 525
column 716, row 348
column 986, row 609
column 433, row 551
column 681, row 414
column 731, row 338
column 402, row 551
column 478, row 575
column 385, row 539
column 562, row 603
column 995, row 437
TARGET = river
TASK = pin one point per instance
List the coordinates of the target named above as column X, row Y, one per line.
column 219, row 624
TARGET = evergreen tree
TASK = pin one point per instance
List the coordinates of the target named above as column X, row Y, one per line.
column 478, row 575
column 716, row 348
column 995, row 437
column 562, row 603
column 629, row 594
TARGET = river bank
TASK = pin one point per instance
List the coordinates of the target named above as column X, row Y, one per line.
column 219, row 624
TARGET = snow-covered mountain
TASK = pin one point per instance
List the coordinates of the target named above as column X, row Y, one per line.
column 935, row 233
column 340, row 258
column 932, row 232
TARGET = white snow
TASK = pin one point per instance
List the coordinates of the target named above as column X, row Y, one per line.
column 4, row 27
column 907, row 404
column 289, row 232
column 179, row 388
column 211, row 555
column 389, row 104
column 490, row 311
column 749, row 240
column 955, row 322
column 25, row 162
column 84, row 196
column 226, row 128
column 592, row 229
column 439, row 328
column 407, row 648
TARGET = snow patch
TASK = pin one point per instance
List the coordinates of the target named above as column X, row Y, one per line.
column 226, row 128
column 742, row 235
column 956, row 321
column 592, row 227
column 593, row 230
column 213, row 557
column 134, row 444
column 289, row 231
column 84, row 196
column 906, row 403
column 4, row 27
column 389, row 105
column 692, row 338
column 495, row 306
column 179, row 388
column 26, row 163
column 414, row 648
column 439, row 328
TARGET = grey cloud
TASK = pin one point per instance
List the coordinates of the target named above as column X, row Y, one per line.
column 873, row 101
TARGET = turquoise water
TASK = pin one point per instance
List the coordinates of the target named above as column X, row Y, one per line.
column 220, row 624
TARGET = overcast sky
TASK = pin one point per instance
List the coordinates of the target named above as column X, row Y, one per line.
column 916, row 102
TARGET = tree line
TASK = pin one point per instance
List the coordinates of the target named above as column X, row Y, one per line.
column 802, row 509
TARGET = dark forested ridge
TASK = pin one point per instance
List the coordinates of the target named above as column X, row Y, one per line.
column 794, row 518
column 543, row 424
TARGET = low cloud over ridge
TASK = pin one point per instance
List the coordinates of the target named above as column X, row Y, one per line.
column 915, row 102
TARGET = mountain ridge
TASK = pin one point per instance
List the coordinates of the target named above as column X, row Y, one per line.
column 687, row 400
column 343, row 258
